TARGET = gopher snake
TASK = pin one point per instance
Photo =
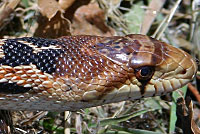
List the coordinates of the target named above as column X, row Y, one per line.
column 74, row 72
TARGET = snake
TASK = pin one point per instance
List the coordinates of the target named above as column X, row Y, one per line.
column 82, row 71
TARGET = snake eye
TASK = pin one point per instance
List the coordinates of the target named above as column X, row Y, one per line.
column 144, row 73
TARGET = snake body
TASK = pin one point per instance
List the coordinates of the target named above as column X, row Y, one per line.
column 74, row 72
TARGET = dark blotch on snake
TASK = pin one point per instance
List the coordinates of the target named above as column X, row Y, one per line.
column 39, row 42
column 13, row 88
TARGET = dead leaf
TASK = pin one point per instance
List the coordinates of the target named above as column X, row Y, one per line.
column 49, row 8
column 185, row 116
column 64, row 4
column 69, row 13
column 58, row 26
column 90, row 19
column 6, row 9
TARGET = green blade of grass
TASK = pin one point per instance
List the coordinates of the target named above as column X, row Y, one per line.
column 116, row 120
column 134, row 18
column 132, row 131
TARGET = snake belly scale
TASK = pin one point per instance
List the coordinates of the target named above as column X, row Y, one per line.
column 74, row 72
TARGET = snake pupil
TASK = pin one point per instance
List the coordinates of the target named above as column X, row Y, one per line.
column 144, row 73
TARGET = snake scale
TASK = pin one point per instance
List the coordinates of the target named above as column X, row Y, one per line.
column 75, row 72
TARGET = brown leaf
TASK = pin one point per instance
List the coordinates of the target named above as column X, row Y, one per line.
column 185, row 116
column 6, row 9
column 49, row 8
column 64, row 4
column 90, row 19
column 58, row 26
column 69, row 12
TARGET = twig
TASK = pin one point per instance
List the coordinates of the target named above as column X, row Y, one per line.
column 150, row 15
column 194, row 91
column 167, row 20
column 67, row 122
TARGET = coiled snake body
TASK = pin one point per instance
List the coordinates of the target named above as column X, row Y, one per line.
column 74, row 72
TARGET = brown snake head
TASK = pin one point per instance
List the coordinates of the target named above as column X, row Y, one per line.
column 76, row 72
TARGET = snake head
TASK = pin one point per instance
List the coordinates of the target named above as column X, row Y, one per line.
column 154, row 67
